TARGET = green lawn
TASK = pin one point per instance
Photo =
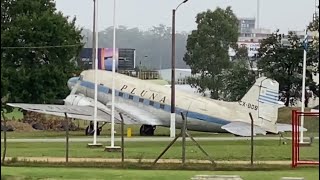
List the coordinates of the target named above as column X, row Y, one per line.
column 160, row 131
column 218, row 150
column 95, row 173
column 16, row 114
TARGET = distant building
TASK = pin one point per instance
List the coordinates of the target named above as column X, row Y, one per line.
column 180, row 78
column 250, row 37
column 125, row 58
column 246, row 25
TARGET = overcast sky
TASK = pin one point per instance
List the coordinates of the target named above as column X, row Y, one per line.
column 283, row 14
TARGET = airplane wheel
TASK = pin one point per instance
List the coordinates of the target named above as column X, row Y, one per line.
column 147, row 130
column 87, row 130
column 90, row 131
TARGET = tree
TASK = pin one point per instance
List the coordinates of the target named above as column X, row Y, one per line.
column 314, row 28
column 239, row 78
column 283, row 62
column 241, row 53
column 34, row 73
column 207, row 48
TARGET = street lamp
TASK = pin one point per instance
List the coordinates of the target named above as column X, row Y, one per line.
column 95, row 67
column 173, row 65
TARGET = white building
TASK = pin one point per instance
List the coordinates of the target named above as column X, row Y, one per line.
column 181, row 75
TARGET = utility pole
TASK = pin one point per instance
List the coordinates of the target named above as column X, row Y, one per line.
column 93, row 56
column 258, row 14
column 173, row 70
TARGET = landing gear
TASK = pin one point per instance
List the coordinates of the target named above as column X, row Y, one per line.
column 90, row 129
column 147, row 130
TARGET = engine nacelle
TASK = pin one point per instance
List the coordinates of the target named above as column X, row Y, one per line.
column 80, row 100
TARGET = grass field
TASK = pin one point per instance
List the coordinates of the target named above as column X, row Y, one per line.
column 31, row 173
column 218, row 150
column 160, row 131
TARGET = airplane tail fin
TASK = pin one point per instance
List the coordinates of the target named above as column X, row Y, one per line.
column 262, row 101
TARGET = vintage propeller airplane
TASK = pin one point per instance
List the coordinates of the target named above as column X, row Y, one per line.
column 148, row 104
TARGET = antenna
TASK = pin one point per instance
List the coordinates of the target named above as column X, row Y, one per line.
column 316, row 8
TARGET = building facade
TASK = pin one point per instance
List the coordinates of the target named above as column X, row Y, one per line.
column 125, row 58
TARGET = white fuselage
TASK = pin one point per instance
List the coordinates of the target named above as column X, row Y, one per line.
column 203, row 114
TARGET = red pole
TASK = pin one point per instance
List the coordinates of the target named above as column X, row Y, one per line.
column 292, row 134
column 298, row 137
column 295, row 138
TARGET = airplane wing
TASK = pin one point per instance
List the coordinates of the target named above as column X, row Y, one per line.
column 131, row 114
column 243, row 129
column 77, row 112
column 138, row 114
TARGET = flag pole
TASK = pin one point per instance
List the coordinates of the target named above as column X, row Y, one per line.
column 305, row 44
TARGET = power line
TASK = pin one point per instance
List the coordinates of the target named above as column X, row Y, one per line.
column 41, row 47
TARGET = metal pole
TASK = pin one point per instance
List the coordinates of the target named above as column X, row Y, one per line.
column 173, row 64
column 173, row 71
column 251, row 138
column 303, row 83
column 4, row 138
column 122, row 139
column 183, row 132
column 258, row 14
column 113, row 73
column 203, row 151
column 165, row 150
column 95, row 79
column 93, row 57
column 293, row 137
column 67, row 137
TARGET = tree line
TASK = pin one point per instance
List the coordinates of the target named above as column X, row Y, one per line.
column 153, row 46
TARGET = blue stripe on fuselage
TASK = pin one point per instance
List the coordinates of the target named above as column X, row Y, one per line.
column 157, row 105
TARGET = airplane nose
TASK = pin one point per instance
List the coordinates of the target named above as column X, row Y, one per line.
column 71, row 82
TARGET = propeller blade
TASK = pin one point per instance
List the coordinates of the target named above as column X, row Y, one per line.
column 74, row 89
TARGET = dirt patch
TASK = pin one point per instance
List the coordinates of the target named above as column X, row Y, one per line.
column 47, row 122
column 20, row 126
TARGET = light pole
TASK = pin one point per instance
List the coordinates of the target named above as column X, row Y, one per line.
column 112, row 148
column 95, row 65
column 173, row 65
column 258, row 14
column 94, row 35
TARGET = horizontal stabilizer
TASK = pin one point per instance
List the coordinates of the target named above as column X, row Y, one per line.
column 287, row 127
column 243, row 129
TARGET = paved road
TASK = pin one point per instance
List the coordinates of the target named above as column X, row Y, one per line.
column 63, row 159
column 139, row 139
